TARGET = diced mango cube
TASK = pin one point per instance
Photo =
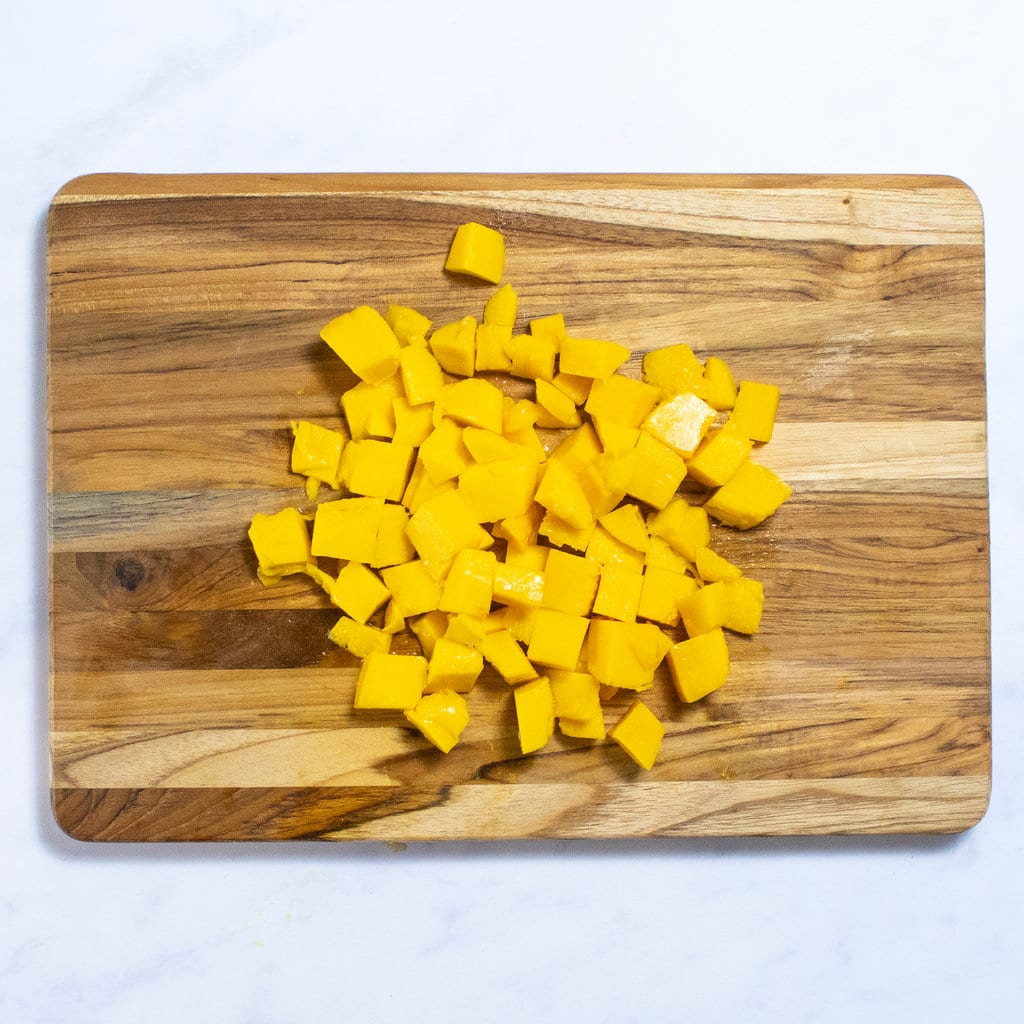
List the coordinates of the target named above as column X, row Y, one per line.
column 673, row 369
column 441, row 528
column 390, row 681
column 557, row 639
column 413, row 423
column 365, row 342
column 535, row 714
column 359, row 639
column 719, row 455
column 394, row 621
column 441, row 717
column 575, row 388
column 604, row 481
column 615, row 438
column 684, row 526
column 578, row 448
column 502, row 307
column 519, row 620
column 627, row 525
column 517, row 415
column 429, row 628
column 576, row 694
column 745, row 600
column 533, row 356
column 443, row 453
column 393, row 546
column 502, row 651
column 625, row 654
column 499, row 490
column 589, row 729
column 358, row 592
column 281, row 543
column 520, row 531
column 749, row 497
column 551, row 326
column 478, row 251
column 470, row 583
column 705, row 610
column 754, row 411
column 699, row 665
column 422, row 488
column 518, row 584
column 454, row 346
column 422, row 378
column 719, row 386
column 561, row 533
column 407, row 323
column 347, row 528
column 608, row 550
column 621, row 400
column 570, row 583
column 491, row 342
column 618, row 596
column 378, row 469
column 591, row 357
column 316, row 451
column 468, row 630
column 473, row 402
column 560, row 493
column 657, row 471
column 555, row 409
column 453, row 666
column 639, row 733
column 712, row 567
column 487, row 446
column 680, row 422
column 414, row 591
column 661, row 594
column 662, row 555
column 369, row 408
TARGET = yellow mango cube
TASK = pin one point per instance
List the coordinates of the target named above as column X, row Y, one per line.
column 749, row 497
column 621, row 400
column 453, row 666
column 535, row 714
column 517, row 415
column 661, row 594
column 393, row 546
column 575, row 388
column 673, row 370
column 625, row 654
column 358, row 592
column 570, row 583
column 699, row 665
column 499, row 490
column 555, row 409
column 533, row 356
column 561, row 533
column 753, row 413
column 657, row 471
column 422, row 488
column 478, row 251
column 519, row 620
column 518, row 584
column 705, row 610
column 521, row 531
column 639, row 733
column 413, row 423
column 529, row 444
column 680, row 423
column 615, row 438
column 359, row 639
column 605, row 480
column 608, row 550
column 454, row 346
column 492, row 340
column 557, row 639
column 281, row 543
column 443, row 454
column 591, row 357
column 421, row 375
column 618, row 596
column 719, row 456
column 413, row 590
column 551, row 326
column 441, row 528
column 394, row 621
column 473, row 402
column 441, row 718
column 684, row 526
column 627, row 525
column 390, row 681
column 470, row 583
column 745, row 603
column 468, row 630
column 316, row 451
column 560, row 493
column 407, row 323
column 502, row 307
column 719, row 389
column 502, row 651
column 365, row 342
column 589, row 729
column 378, row 469
column 428, row 629
column 713, row 568
column 487, row 446
column 370, row 408
column 662, row 555
column 347, row 528
column 576, row 695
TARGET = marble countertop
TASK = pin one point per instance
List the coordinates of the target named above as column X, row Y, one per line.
column 926, row 928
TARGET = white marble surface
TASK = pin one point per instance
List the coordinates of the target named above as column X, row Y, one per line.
column 801, row 930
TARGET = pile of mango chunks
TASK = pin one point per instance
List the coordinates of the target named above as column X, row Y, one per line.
column 560, row 564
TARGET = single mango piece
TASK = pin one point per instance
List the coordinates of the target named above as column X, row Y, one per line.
column 316, row 451
column 502, row 307
column 557, row 639
column 378, row 469
column 570, row 583
column 469, row 584
column 753, row 413
column 281, row 544
column 680, row 423
column 719, row 456
column 576, row 695
column 673, row 370
column 502, row 651
column 347, row 528
column 699, row 666
column 365, row 342
column 390, row 681
column 422, row 378
column 492, row 340
column 657, row 471
column 535, row 714
column 705, row 610
column 477, row 251
column 618, row 596
column 749, row 497
column 639, row 733
column 441, row 717
column 719, row 389
column 359, row 639
column 453, row 666
column 414, row 591
column 621, row 400
column 745, row 603
column 392, row 546
column 454, row 346
column 358, row 592
column 407, row 323
column 591, row 357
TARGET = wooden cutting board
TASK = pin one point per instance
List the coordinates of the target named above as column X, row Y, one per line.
column 188, row 702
